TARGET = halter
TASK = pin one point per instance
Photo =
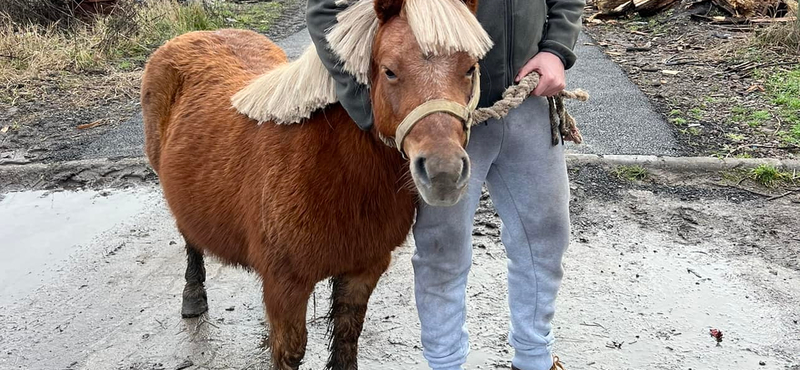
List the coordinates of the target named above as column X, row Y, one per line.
column 464, row 113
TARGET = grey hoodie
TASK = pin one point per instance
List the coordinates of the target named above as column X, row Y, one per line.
column 519, row 29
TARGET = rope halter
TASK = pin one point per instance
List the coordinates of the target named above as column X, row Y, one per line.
column 464, row 113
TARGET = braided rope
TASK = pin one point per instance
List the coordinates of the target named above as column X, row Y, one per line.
column 562, row 124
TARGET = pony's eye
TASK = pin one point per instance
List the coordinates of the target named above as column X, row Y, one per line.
column 389, row 74
column 471, row 71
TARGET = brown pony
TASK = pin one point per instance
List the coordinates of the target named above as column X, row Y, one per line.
column 301, row 203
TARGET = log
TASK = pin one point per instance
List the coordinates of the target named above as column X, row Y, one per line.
column 608, row 6
column 742, row 21
column 773, row 20
column 651, row 7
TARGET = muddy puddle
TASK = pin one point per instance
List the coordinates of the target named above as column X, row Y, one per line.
column 40, row 230
column 647, row 277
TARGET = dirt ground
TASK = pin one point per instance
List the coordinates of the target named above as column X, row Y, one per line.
column 708, row 80
column 652, row 268
column 50, row 118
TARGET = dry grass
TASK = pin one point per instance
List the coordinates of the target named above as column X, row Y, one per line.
column 41, row 12
column 96, row 44
column 785, row 36
column 31, row 50
column 84, row 68
column 120, row 42
column 93, row 59
column 66, row 78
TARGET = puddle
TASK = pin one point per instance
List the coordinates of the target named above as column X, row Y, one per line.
column 39, row 230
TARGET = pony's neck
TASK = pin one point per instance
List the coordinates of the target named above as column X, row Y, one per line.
column 366, row 157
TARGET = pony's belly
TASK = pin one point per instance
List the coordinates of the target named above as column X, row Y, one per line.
column 332, row 245
column 205, row 220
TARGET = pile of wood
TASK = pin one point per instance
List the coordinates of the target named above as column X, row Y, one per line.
column 736, row 9
column 745, row 11
column 623, row 7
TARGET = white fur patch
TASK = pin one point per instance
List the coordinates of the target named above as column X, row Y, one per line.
column 292, row 92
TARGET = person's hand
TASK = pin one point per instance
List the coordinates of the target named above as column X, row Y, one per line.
column 551, row 74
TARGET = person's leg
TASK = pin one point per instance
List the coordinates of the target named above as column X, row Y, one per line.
column 443, row 256
column 529, row 186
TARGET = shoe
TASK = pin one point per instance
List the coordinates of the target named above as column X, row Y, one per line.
column 556, row 365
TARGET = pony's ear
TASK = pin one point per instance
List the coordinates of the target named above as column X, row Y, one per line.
column 472, row 5
column 386, row 9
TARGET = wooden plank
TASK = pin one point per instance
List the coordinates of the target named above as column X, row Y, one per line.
column 608, row 6
column 772, row 20
column 623, row 8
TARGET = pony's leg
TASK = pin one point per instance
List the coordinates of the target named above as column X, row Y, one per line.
column 286, row 301
column 349, row 299
column 195, row 301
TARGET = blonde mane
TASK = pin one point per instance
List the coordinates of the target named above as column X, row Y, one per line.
column 290, row 93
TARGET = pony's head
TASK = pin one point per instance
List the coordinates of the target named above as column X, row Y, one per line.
column 419, row 58
column 423, row 77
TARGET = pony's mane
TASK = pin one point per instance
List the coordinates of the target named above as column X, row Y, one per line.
column 291, row 92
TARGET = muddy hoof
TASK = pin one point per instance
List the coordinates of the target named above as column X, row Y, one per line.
column 195, row 301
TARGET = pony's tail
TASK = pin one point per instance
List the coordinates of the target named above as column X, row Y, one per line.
column 160, row 85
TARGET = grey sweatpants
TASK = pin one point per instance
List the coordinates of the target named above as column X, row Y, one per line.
column 527, row 179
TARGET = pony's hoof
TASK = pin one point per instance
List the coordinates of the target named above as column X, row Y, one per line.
column 193, row 309
column 195, row 302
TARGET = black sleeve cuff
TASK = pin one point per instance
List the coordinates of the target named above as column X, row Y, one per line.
column 566, row 55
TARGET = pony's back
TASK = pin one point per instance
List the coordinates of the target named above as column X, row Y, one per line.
column 217, row 62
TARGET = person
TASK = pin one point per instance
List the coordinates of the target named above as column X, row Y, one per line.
column 525, row 174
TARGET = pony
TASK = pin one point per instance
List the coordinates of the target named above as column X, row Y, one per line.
column 262, row 168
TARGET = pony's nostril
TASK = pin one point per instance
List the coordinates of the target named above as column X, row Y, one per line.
column 464, row 171
column 421, row 171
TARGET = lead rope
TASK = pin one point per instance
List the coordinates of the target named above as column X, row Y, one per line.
column 562, row 124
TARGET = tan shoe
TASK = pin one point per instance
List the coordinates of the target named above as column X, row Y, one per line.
column 556, row 365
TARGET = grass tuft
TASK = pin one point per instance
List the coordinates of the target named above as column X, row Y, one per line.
column 784, row 91
column 735, row 137
column 794, row 134
column 678, row 121
column 758, row 118
column 768, row 175
column 784, row 36
column 256, row 16
column 631, row 173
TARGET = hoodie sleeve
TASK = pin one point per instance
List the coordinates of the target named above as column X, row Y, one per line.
column 562, row 30
column 353, row 96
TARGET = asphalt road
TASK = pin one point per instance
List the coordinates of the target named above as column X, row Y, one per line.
column 618, row 119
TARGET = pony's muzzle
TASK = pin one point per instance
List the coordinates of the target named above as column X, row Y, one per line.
column 441, row 180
